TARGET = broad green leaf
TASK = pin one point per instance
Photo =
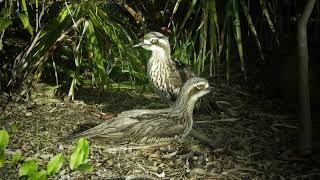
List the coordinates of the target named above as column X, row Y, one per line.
column 55, row 164
column 28, row 168
column 16, row 157
column 41, row 175
column 80, row 155
column 84, row 145
column 85, row 167
column 2, row 158
column 76, row 158
column 4, row 140
column 4, row 23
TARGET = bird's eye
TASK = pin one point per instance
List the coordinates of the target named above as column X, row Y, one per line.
column 200, row 86
column 154, row 40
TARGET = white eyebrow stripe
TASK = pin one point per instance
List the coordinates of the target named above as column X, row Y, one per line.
column 146, row 41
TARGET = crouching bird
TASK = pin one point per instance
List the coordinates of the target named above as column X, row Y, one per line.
column 143, row 126
column 168, row 75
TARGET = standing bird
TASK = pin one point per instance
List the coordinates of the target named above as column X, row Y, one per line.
column 168, row 75
column 151, row 126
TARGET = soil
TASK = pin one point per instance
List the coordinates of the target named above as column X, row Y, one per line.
column 256, row 144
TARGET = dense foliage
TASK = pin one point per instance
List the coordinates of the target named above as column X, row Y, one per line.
column 76, row 43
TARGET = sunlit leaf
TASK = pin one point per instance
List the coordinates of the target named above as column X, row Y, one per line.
column 4, row 23
column 76, row 158
column 4, row 139
column 24, row 19
column 84, row 144
column 41, row 175
column 26, row 23
column 28, row 168
column 80, row 155
column 55, row 164
column 24, row 7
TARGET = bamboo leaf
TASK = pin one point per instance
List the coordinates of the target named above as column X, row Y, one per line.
column 267, row 15
column 251, row 26
column 4, row 23
column 214, row 37
column 176, row 6
column 24, row 7
column 190, row 10
column 237, row 32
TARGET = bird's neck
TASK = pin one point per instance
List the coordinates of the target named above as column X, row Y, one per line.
column 159, row 70
column 160, row 55
column 183, row 110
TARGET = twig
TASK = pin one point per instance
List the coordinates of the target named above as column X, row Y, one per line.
column 139, row 176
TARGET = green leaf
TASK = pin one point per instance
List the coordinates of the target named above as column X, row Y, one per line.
column 26, row 23
column 2, row 158
column 28, row 168
column 4, row 140
column 41, row 175
column 16, row 157
column 55, row 164
column 24, row 7
column 13, row 127
column 24, row 19
column 80, row 155
column 85, row 167
column 76, row 158
column 4, row 23
column 84, row 145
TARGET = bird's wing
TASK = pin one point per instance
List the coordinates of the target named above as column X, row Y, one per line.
column 183, row 69
column 118, row 128
column 178, row 75
column 155, row 128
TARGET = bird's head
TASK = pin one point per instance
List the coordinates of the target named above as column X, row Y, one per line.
column 191, row 91
column 156, row 42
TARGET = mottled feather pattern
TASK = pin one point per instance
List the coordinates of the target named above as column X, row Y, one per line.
column 146, row 126
column 168, row 75
column 159, row 73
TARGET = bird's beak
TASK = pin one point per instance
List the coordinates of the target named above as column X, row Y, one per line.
column 139, row 44
column 209, row 89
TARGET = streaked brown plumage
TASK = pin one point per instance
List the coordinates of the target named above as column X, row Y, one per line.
column 168, row 75
column 149, row 126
